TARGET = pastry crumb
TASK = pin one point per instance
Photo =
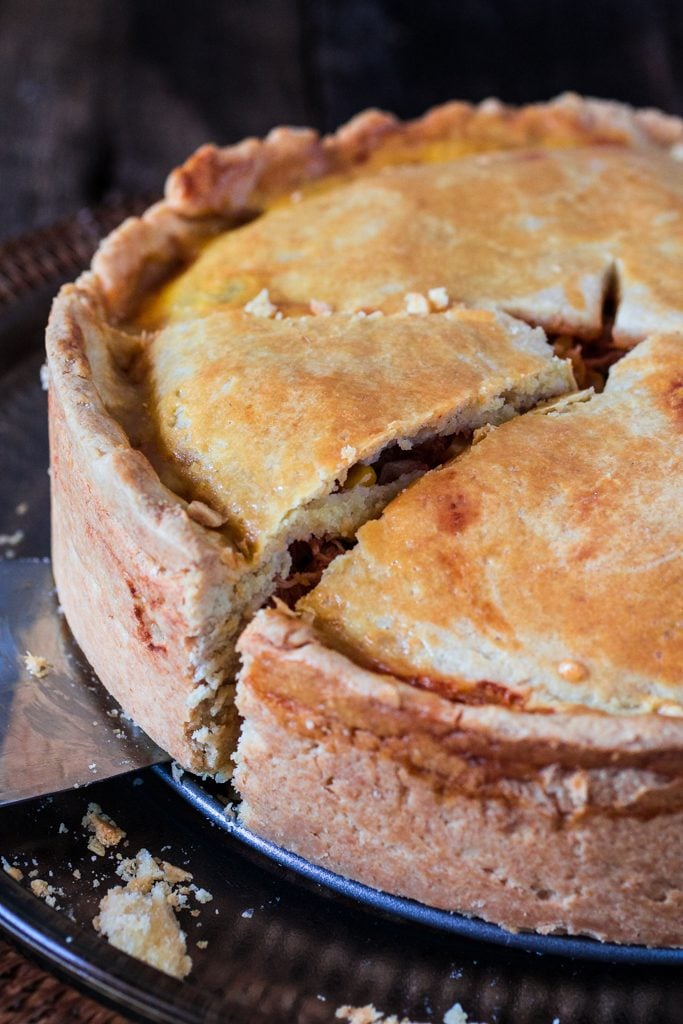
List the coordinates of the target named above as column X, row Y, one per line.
column 140, row 918
column 249, row 912
column 44, row 891
column 203, row 514
column 261, row 305
column 35, row 665
column 456, row 1015
column 202, row 944
column 416, row 303
column 143, row 925
column 11, row 869
column 369, row 1014
column 106, row 833
column 438, row 298
column 22, row 508
column 359, row 1014
column 175, row 875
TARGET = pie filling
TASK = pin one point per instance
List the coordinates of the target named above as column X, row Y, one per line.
column 395, row 464
column 310, row 558
column 592, row 359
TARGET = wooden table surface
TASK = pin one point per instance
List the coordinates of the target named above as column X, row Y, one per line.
column 29, row 995
column 99, row 100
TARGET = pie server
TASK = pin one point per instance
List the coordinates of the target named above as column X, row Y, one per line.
column 62, row 730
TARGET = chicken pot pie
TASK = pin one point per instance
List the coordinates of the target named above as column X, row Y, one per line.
column 480, row 705
column 378, row 332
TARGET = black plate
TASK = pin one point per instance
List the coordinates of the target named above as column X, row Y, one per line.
column 301, row 949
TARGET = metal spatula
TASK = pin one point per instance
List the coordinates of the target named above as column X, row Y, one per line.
column 62, row 730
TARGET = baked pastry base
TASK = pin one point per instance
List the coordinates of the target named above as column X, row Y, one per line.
column 545, row 822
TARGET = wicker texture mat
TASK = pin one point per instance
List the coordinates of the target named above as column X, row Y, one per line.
column 59, row 250
column 28, row 995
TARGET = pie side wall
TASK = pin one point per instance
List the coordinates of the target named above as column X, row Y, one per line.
column 145, row 591
column 105, row 591
column 545, row 849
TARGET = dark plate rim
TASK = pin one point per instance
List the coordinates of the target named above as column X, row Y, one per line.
column 122, row 983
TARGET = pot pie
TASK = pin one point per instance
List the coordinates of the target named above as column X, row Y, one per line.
column 347, row 418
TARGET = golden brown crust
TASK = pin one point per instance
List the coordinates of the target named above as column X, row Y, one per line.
column 223, row 181
column 260, row 417
column 216, row 185
column 505, row 815
column 560, row 230
column 544, row 566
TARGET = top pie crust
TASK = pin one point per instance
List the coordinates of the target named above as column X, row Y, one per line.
column 150, row 580
column 549, row 568
column 545, row 243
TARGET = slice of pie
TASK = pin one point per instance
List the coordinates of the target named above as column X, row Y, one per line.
column 296, row 335
column 480, row 706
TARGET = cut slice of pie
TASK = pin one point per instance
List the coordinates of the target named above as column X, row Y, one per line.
column 480, row 706
column 543, row 568
column 283, row 428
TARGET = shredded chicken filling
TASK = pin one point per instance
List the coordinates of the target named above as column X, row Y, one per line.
column 591, row 360
column 310, row 558
column 396, row 461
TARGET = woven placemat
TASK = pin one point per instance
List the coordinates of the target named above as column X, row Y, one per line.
column 28, row 995
column 60, row 250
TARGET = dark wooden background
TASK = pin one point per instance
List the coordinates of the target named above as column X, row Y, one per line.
column 100, row 98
